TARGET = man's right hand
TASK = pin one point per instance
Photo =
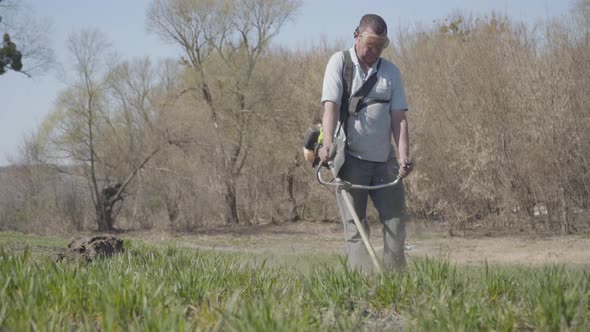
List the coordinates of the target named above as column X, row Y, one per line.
column 324, row 153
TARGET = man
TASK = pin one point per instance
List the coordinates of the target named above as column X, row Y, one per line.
column 369, row 155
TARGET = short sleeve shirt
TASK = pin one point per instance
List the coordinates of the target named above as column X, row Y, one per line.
column 369, row 131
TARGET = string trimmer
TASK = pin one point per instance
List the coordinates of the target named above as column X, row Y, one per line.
column 312, row 143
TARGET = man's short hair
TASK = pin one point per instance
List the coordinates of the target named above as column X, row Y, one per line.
column 375, row 22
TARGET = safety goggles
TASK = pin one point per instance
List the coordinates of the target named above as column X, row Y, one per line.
column 372, row 40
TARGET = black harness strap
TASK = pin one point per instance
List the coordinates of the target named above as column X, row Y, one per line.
column 353, row 105
column 348, row 76
column 372, row 102
column 357, row 100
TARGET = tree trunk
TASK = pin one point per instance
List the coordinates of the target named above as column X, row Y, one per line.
column 231, row 203
column 108, row 216
column 293, row 214
column 105, row 203
column 564, row 224
column 102, row 218
column 173, row 210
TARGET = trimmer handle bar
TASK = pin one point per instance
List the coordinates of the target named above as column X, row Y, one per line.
column 336, row 182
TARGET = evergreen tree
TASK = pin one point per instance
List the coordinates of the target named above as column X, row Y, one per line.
column 10, row 56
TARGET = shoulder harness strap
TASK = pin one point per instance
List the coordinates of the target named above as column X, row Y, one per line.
column 352, row 105
column 347, row 77
column 347, row 74
column 356, row 103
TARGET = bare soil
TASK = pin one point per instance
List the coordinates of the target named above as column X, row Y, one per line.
column 327, row 238
column 88, row 249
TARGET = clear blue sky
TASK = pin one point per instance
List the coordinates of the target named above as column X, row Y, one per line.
column 24, row 102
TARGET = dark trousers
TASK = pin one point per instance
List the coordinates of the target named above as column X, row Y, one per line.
column 390, row 204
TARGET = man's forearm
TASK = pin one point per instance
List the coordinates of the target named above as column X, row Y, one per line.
column 330, row 121
column 401, row 135
column 404, row 141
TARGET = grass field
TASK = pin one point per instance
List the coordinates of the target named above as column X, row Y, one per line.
column 176, row 289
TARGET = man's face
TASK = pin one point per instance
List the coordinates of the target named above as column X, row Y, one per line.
column 370, row 45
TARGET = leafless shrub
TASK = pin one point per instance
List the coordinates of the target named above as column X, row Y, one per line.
column 501, row 119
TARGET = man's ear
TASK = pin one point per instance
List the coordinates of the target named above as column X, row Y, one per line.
column 356, row 32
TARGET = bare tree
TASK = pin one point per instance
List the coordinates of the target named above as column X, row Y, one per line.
column 581, row 11
column 86, row 131
column 222, row 42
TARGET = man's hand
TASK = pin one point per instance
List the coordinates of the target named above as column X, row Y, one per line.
column 405, row 168
column 324, row 153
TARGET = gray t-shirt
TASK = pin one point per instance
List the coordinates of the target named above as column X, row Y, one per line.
column 369, row 131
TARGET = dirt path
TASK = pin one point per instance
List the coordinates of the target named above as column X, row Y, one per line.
column 319, row 238
column 573, row 250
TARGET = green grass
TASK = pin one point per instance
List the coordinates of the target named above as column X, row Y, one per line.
column 40, row 246
column 175, row 289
